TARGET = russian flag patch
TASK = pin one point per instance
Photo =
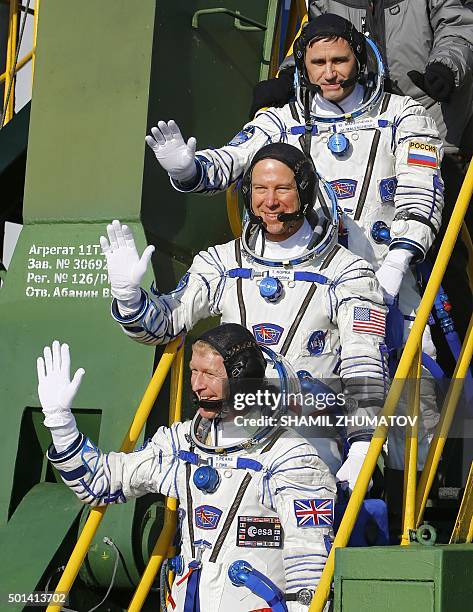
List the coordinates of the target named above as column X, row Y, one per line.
column 422, row 154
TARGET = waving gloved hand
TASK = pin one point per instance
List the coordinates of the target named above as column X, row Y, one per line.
column 174, row 155
column 273, row 92
column 392, row 271
column 56, row 390
column 438, row 81
column 352, row 465
column 125, row 268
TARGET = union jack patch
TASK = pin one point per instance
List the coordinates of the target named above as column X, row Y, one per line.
column 314, row 512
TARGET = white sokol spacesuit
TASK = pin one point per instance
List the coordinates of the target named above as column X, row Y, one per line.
column 267, row 502
column 380, row 152
column 307, row 298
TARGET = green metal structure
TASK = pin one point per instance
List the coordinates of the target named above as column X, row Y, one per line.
column 412, row 578
column 104, row 73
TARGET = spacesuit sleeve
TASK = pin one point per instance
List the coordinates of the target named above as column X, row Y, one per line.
column 418, row 199
column 219, row 168
column 99, row 478
column 162, row 317
column 357, row 307
column 296, row 479
column 452, row 24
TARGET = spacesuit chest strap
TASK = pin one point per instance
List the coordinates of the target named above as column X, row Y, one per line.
column 302, row 310
column 370, row 164
column 190, row 511
column 241, row 303
column 237, row 501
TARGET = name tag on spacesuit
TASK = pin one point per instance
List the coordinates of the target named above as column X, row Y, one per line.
column 223, row 462
column 259, row 531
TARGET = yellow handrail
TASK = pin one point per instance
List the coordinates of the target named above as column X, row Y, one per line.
column 410, row 461
column 8, row 77
column 161, row 548
column 407, row 357
column 24, row 60
column 96, row 514
column 9, row 89
column 443, row 426
column 463, row 528
column 233, row 211
column 35, row 36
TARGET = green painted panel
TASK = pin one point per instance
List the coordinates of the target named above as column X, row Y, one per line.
column 203, row 79
column 387, row 596
column 33, row 535
column 88, row 116
column 404, row 578
column 57, row 288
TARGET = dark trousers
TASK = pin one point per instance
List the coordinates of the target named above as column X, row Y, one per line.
column 455, row 282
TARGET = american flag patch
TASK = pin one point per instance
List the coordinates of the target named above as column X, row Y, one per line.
column 422, row 154
column 314, row 512
column 369, row 321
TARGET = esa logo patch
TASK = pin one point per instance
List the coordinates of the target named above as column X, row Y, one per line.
column 316, row 343
column 207, row 517
column 267, row 333
column 344, row 188
column 259, row 532
column 242, row 136
column 387, row 189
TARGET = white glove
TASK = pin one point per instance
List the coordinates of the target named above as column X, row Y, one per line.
column 174, row 155
column 352, row 465
column 392, row 271
column 125, row 268
column 55, row 388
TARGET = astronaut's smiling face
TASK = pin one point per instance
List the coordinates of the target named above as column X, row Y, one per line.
column 330, row 62
column 274, row 191
column 208, row 376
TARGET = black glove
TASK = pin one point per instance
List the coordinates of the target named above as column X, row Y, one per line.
column 438, row 81
column 273, row 92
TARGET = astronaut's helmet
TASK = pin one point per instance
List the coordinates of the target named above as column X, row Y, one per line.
column 370, row 69
column 317, row 203
column 259, row 388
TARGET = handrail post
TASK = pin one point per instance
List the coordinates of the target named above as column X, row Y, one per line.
column 35, row 37
column 446, row 417
column 161, row 548
column 411, row 448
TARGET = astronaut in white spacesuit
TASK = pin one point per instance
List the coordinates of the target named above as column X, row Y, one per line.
column 254, row 518
column 380, row 152
column 286, row 280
